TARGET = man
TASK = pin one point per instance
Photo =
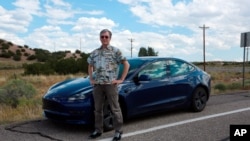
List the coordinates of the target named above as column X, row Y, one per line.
column 105, row 61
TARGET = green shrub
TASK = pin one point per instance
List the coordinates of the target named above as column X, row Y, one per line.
column 234, row 86
column 5, row 46
column 1, row 41
column 5, row 55
column 78, row 51
column 220, row 87
column 9, row 43
column 15, row 91
column 38, row 69
column 247, row 81
column 213, row 77
column 26, row 54
column 31, row 57
column 11, row 53
column 17, row 57
column 18, row 52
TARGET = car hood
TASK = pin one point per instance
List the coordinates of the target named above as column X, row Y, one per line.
column 69, row 87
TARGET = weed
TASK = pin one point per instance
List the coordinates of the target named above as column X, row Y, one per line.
column 234, row 86
column 220, row 87
column 14, row 91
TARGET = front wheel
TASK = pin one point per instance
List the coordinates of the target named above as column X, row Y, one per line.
column 199, row 99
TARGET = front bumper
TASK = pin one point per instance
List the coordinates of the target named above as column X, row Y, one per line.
column 73, row 113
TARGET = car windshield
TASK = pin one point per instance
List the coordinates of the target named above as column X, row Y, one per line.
column 134, row 64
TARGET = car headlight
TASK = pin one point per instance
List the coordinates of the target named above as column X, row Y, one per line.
column 77, row 97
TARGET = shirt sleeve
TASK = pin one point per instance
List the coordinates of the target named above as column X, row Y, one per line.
column 120, row 56
column 90, row 59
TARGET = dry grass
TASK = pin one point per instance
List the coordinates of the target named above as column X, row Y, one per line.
column 228, row 75
column 21, row 113
column 28, row 111
column 42, row 83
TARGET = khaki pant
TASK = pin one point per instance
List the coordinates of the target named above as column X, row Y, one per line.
column 111, row 92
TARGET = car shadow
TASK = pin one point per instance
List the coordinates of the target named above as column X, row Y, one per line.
column 156, row 115
column 59, row 131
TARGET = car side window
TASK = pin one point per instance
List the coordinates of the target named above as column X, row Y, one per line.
column 179, row 68
column 156, row 70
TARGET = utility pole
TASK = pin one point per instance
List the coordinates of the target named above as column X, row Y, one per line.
column 131, row 40
column 204, row 60
column 54, row 47
column 247, row 55
column 80, row 44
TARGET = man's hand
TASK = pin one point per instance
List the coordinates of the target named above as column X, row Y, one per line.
column 92, row 82
column 116, row 82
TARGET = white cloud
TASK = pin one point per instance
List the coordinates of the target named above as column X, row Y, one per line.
column 29, row 6
column 60, row 12
column 57, row 13
column 93, row 24
column 51, row 38
column 165, row 13
column 60, row 3
column 66, row 27
column 226, row 19
column 14, row 21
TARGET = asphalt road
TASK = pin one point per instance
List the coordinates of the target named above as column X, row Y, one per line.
column 212, row 124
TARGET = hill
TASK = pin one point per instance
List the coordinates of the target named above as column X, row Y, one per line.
column 17, row 53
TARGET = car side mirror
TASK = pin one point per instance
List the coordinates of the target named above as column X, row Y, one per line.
column 144, row 78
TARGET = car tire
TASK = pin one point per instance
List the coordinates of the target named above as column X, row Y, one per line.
column 199, row 99
column 108, row 117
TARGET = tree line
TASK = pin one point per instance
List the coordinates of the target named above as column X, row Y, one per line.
column 55, row 63
column 147, row 52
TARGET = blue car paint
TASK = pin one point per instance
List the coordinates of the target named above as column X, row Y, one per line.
column 71, row 112
column 137, row 99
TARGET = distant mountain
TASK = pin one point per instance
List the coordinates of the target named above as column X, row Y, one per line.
column 13, row 52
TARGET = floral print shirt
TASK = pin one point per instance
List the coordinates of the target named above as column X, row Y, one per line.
column 106, row 64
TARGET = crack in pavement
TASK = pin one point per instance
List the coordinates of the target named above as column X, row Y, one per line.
column 12, row 129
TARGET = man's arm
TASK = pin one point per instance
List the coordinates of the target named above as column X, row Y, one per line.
column 124, row 73
column 125, row 69
column 90, row 72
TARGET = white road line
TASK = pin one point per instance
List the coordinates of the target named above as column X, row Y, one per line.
column 178, row 123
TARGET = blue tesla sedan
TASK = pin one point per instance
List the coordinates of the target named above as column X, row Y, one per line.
column 153, row 84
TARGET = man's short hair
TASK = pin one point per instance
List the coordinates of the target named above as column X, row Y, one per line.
column 106, row 30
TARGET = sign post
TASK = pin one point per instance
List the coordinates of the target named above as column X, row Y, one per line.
column 244, row 42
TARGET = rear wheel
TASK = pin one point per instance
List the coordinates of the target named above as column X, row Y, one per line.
column 199, row 99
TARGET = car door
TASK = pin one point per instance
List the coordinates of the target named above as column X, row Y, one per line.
column 150, row 92
column 162, row 84
column 180, row 81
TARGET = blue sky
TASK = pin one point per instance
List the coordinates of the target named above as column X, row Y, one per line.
column 171, row 27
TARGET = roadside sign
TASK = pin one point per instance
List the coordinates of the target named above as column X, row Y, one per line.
column 245, row 39
column 244, row 42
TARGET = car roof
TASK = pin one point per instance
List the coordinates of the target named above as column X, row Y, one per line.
column 155, row 58
column 150, row 58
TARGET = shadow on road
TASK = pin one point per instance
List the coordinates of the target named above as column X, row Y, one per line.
column 50, row 130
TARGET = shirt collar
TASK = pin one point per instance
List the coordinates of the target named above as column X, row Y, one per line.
column 108, row 47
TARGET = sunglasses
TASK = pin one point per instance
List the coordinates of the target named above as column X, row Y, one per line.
column 106, row 37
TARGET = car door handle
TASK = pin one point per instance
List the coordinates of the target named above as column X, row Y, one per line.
column 190, row 78
column 129, row 89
